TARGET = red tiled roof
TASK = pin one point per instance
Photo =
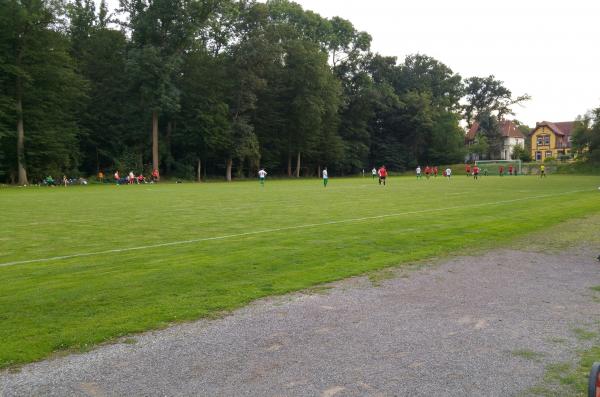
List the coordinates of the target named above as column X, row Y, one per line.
column 472, row 131
column 508, row 129
column 564, row 128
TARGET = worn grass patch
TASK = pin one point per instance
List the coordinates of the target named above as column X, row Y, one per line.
column 378, row 277
column 584, row 335
column 132, row 258
column 577, row 233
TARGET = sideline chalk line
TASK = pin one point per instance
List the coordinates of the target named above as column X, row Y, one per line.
column 280, row 229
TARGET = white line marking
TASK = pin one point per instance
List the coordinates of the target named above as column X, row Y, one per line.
column 280, row 229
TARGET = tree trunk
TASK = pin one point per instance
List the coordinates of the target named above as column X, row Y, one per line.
column 155, row 140
column 289, row 168
column 168, row 145
column 20, row 136
column 228, row 172
column 298, row 165
column 199, row 170
column 240, row 171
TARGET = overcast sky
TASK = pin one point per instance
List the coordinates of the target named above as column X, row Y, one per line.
column 547, row 49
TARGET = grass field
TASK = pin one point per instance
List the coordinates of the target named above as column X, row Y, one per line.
column 82, row 265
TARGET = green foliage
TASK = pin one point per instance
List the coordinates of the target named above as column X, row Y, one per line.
column 521, row 153
column 229, row 81
column 488, row 96
column 480, row 146
column 586, row 136
column 40, row 73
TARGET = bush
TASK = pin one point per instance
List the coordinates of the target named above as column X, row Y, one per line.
column 564, row 157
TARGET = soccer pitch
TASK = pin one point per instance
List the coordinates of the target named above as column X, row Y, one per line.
column 82, row 265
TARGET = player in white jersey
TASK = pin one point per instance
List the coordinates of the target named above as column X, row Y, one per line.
column 418, row 172
column 448, row 173
column 261, row 176
column 325, row 177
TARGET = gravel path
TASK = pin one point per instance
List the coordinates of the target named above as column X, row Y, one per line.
column 472, row 326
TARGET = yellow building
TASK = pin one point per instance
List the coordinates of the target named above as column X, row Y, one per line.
column 551, row 140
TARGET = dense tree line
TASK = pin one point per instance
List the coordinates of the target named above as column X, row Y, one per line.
column 219, row 87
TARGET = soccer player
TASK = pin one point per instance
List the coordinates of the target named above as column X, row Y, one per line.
column 435, row 172
column 427, row 171
column 468, row 169
column 501, row 170
column 131, row 178
column 117, row 177
column 155, row 176
column 418, row 172
column 374, row 172
column 382, row 174
column 510, row 170
column 325, row 177
column 475, row 172
column 542, row 171
column 448, row 173
column 261, row 176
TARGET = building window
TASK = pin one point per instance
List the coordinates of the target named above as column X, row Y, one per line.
column 548, row 154
column 538, row 156
column 543, row 140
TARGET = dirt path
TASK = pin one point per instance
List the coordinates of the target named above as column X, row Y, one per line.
column 471, row 326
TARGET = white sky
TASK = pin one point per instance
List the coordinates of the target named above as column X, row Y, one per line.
column 547, row 49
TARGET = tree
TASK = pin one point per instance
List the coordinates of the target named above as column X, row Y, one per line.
column 313, row 95
column 586, row 136
column 521, row 153
column 480, row 146
column 41, row 83
column 110, row 119
column 486, row 95
column 489, row 126
column 161, row 30
column 447, row 142
column 109, row 116
column 204, row 120
column 418, row 122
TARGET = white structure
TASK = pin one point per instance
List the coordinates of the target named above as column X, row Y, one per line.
column 511, row 135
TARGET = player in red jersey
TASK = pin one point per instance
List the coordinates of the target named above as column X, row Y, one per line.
column 382, row 174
